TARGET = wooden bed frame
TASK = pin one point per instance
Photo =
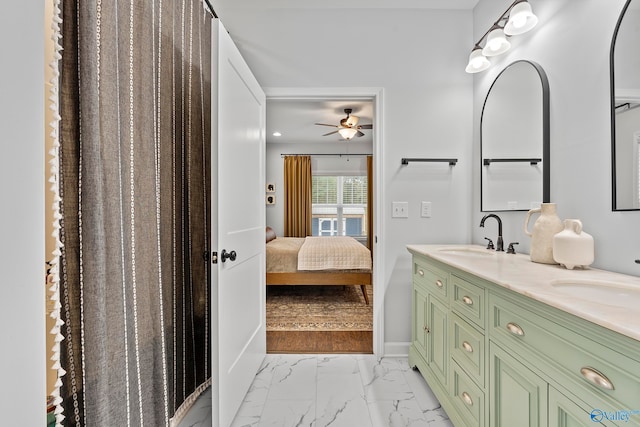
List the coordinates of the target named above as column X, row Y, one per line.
column 323, row 278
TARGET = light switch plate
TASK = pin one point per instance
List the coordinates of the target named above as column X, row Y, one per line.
column 425, row 211
column 400, row 210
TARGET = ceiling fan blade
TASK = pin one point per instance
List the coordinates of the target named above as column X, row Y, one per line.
column 324, row 124
column 359, row 134
column 370, row 126
column 330, row 133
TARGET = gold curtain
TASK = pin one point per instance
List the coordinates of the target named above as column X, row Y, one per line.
column 370, row 236
column 297, row 196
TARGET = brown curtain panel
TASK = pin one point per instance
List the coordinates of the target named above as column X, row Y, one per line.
column 370, row 236
column 134, row 183
column 297, row 196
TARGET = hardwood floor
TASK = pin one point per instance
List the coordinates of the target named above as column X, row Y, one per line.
column 319, row 342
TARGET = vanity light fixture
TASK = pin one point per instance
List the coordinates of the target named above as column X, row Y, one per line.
column 477, row 61
column 496, row 43
column 520, row 20
column 347, row 133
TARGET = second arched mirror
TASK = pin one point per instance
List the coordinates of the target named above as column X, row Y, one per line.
column 514, row 139
column 625, row 109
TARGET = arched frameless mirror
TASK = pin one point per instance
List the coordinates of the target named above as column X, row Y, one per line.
column 625, row 109
column 514, row 139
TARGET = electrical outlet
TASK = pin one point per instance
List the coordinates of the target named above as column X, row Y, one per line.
column 426, row 210
column 400, row 210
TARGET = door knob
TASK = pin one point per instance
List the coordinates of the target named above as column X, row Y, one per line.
column 228, row 255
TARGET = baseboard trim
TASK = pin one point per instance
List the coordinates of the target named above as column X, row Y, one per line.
column 396, row 349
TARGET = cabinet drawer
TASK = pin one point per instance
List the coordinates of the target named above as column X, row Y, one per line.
column 467, row 397
column 591, row 366
column 467, row 347
column 435, row 279
column 468, row 299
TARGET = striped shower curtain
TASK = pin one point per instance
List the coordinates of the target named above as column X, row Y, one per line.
column 134, row 188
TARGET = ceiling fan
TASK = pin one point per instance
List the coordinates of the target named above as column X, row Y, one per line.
column 348, row 127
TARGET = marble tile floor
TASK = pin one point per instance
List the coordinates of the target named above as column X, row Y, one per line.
column 332, row 390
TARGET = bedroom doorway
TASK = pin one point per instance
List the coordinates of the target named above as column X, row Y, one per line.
column 327, row 318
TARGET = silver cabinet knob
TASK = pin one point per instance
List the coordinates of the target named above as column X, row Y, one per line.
column 439, row 283
column 467, row 300
column 421, row 272
column 467, row 347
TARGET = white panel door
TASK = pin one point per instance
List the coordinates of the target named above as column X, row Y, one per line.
column 238, row 226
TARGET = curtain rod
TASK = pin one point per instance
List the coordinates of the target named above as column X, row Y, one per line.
column 327, row 154
column 213, row 12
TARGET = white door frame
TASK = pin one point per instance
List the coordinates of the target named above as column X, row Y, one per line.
column 375, row 94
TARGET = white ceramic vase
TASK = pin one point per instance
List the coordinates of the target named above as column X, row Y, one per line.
column 573, row 247
column 546, row 226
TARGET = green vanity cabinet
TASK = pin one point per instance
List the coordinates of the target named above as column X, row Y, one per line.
column 429, row 347
column 498, row 358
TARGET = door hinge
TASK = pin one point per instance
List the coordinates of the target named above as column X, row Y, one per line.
column 214, row 257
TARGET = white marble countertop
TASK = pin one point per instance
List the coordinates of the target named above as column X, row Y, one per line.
column 611, row 300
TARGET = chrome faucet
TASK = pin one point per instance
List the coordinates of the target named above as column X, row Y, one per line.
column 499, row 242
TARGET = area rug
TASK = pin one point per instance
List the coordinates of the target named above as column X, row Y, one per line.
column 318, row 308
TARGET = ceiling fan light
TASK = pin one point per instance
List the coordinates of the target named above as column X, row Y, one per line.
column 347, row 133
column 497, row 42
column 352, row 121
column 477, row 61
column 521, row 19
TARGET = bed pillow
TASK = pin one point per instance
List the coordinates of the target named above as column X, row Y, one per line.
column 270, row 234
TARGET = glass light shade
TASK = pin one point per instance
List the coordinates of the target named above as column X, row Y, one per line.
column 521, row 19
column 347, row 133
column 497, row 43
column 352, row 121
column 477, row 61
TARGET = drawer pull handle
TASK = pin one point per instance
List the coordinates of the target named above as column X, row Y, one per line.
column 426, row 329
column 467, row 399
column 467, row 347
column 515, row 329
column 439, row 283
column 596, row 377
column 421, row 273
column 467, row 300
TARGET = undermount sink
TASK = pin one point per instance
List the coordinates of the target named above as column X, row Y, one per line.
column 467, row 251
column 601, row 291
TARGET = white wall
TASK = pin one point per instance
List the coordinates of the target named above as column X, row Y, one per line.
column 571, row 42
column 418, row 56
column 22, row 290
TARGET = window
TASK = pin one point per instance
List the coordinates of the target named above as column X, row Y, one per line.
column 339, row 206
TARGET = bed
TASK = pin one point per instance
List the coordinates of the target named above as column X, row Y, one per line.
column 312, row 260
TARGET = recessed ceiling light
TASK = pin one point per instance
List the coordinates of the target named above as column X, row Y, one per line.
column 277, row 134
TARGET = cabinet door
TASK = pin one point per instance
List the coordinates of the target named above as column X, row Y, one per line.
column 564, row 412
column 437, row 344
column 518, row 396
column 420, row 328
